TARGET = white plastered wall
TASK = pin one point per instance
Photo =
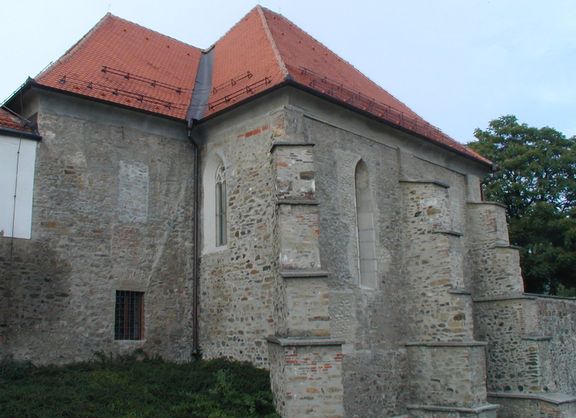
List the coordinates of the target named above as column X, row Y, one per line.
column 17, row 162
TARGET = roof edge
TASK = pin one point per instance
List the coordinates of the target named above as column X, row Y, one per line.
column 344, row 60
column 273, row 45
column 20, row 134
column 34, row 84
column 482, row 160
column 292, row 83
column 74, row 47
column 108, row 16
column 154, row 31
column 31, row 133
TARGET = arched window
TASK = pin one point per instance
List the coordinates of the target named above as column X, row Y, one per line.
column 214, row 203
column 221, row 204
column 367, row 266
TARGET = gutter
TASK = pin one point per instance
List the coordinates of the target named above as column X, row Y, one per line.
column 20, row 134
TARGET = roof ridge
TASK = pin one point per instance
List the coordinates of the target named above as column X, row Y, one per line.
column 272, row 41
column 343, row 59
column 154, row 31
column 107, row 17
column 231, row 28
column 360, row 73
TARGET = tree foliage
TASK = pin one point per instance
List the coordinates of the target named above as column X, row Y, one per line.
column 536, row 180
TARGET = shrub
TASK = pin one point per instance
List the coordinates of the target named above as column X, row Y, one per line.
column 135, row 387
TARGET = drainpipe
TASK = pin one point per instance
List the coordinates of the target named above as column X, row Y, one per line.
column 196, row 242
column 196, row 110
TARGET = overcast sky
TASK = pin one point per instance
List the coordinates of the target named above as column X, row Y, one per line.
column 457, row 63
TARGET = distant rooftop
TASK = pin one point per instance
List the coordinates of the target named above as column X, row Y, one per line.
column 13, row 122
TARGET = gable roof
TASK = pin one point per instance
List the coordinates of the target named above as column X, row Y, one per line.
column 123, row 63
column 126, row 64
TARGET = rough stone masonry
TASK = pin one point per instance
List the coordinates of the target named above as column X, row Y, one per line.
column 360, row 264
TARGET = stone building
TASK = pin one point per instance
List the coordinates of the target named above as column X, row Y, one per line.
column 263, row 200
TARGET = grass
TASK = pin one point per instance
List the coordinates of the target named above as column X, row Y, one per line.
column 129, row 388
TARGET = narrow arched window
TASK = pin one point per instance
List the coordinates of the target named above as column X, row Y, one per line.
column 221, row 204
column 367, row 266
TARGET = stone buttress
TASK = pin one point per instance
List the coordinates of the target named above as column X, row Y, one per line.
column 447, row 365
column 530, row 371
column 305, row 363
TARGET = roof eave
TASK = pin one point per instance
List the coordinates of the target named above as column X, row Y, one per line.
column 314, row 92
column 286, row 82
column 31, row 83
column 291, row 82
column 19, row 134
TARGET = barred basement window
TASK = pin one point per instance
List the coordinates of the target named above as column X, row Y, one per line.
column 129, row 318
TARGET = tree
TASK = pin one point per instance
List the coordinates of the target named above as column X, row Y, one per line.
column 536, row 180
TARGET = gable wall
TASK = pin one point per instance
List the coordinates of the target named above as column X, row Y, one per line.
column 112, row 211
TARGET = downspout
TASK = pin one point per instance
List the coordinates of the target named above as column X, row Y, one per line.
column 196, row 110
column 196, row 242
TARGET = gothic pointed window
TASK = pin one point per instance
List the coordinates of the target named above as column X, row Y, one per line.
column 367, row 266
column 221, row 204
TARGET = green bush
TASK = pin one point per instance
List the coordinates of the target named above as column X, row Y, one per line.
column 132, row 387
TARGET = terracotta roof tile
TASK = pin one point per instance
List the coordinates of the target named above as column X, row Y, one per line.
column 245, row 63
column 10, row 120
column 313, row 65
column 124, row 63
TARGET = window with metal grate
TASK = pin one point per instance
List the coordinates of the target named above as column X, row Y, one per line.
column 129, row 317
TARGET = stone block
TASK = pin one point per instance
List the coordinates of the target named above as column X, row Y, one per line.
column 299, row 229
column 307, row 303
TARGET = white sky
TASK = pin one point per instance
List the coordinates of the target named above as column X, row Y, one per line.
column 457, row 63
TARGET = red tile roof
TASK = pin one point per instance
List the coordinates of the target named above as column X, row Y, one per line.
column 123, row 63
column 311, row 64
column 245, row 62
column 9, row 120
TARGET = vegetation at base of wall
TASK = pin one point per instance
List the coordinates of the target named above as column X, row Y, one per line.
column 134, row 387
column 536, row 180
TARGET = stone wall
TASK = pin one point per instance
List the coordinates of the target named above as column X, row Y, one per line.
column 377, row 323
column 530, row 351
column 369, row 320
column 112, row 210
column 306, row 358
column 238, row 280
column 557, row 321
column 310, row 384
column 535, row 406
column 531, row 344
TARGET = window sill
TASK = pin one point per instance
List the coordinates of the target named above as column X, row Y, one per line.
column 214, row 250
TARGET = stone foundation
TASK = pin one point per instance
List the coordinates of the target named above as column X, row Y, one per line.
column 307, row 377
column 524, row 405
